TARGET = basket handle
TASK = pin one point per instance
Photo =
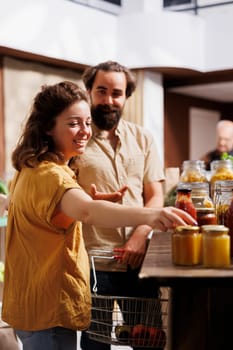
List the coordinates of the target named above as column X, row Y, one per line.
column 93, row 257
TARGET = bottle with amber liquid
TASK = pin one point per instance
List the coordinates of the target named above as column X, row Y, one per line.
column 216, row 246
column 184, row 200
column 187, row 246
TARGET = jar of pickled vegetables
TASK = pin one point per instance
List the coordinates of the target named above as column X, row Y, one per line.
column 224, row 206
column 220, row 170
column 193, row 171
column 187, row 246
column 222, row 199
column 216, row 246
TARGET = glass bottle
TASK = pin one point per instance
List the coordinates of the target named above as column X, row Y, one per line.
column 184, row 200
column 220, row 170
column 216, row 246
column 193, row 171
column 187, row 246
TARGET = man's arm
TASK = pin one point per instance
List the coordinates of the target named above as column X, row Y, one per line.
column 133, row 252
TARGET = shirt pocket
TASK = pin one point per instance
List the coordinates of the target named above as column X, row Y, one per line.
column 134, row 166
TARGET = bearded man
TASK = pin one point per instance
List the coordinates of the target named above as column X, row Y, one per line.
column 119, row 154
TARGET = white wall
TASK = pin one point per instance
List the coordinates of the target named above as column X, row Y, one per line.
column 142, row 36
column 218, row 40
column 62, row 29
column 153, row 109
column 58, row 28
column 161, row 39
column 202, row 131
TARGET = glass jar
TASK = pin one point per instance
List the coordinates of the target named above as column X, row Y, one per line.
column 216, row 246
column 201, row 195
column 223, row 194
column 206, row 216
column 184, row 200
column 187, row 246
column 193, row 171
column 224, row 206
column 220, row 170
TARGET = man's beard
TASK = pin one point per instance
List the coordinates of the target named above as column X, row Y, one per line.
column 105, row 117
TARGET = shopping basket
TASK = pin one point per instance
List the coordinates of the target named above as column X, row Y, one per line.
column 127, row 321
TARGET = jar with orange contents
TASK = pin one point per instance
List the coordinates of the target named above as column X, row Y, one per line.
column 187, row 246
column 216, row 246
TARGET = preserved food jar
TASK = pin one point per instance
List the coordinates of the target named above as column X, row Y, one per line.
column 187, row 246
column 216, row 246
column 201, row 195
column 220, row 170
column 224, row 206
column 193, row 171
column 206, row 216
column 184, row 200
column 223, row 194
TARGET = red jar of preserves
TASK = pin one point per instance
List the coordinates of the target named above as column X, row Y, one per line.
column 184, row 200
column 206, row 216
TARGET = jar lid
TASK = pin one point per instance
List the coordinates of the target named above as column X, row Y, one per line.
column 214, row 229
column 184, row 187
column 193, row 163
column 222, row 163
column 187, row 229
column 205, row 209
column 199, row 185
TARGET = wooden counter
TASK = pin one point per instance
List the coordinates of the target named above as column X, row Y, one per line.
column 201, row 299
column 158, row 263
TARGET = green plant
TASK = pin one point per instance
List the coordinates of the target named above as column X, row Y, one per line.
column 226, row 156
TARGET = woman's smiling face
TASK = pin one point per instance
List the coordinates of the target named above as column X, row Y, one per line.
column 72, row 129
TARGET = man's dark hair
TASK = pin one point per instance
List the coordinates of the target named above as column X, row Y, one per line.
column 109, row 66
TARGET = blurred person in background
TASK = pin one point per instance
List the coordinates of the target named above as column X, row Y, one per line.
column 224, row 143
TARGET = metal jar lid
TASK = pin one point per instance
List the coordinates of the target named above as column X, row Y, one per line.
column 212, row 229
column 187, row 229
column 205, row 210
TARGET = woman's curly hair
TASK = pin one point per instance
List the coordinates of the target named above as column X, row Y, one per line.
column 35, row 145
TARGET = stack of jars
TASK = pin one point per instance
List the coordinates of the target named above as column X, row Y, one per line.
column 194, row 198
column 211, row 204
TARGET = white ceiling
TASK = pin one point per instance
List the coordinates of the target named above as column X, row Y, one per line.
column 221, row 92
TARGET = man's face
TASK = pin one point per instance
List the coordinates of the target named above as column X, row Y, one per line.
column 108, row 99
column 225, row 140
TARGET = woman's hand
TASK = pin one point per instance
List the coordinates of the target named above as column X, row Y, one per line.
column 112, row 197
column 170, row 217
